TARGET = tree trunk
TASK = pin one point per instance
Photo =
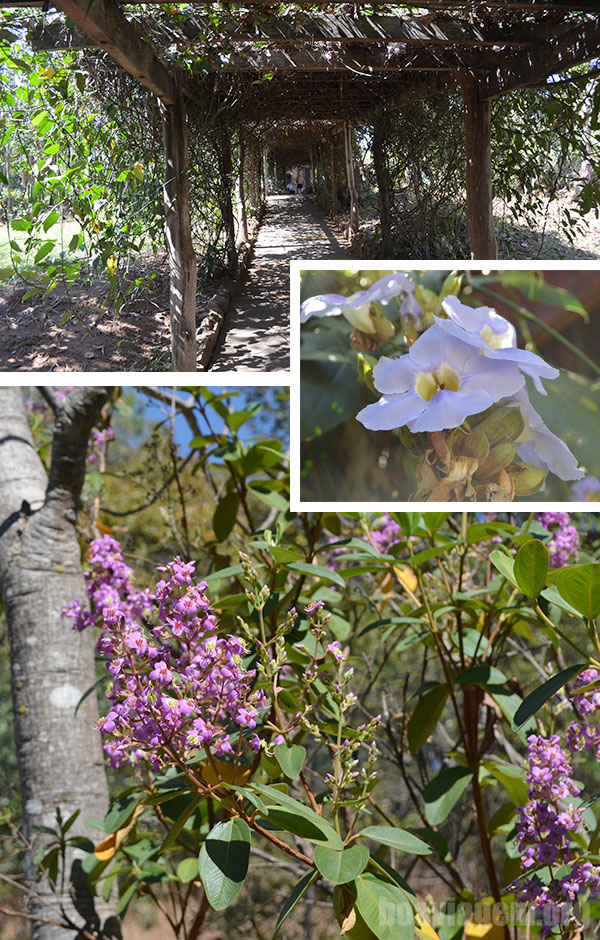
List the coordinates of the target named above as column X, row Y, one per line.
column 180, row 247
column 241, row 193
column 334, row 180
column 482, row 237
column 59, row 753
column 383, row 183
column 351, row 179
column 227, row 202
column 266, row 173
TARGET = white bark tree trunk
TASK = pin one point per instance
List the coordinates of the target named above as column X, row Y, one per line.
column 59, row 753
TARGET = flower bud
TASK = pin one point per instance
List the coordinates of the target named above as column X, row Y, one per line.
column 527, row 479
column 504, row 424
column 365, row 371
column 498, row 458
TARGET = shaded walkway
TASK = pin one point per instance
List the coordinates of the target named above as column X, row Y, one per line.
column 256, row 333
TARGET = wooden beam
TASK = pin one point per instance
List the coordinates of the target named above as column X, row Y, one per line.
column 482, row 237
column 363, row 61
column 574, row 47
column 342, row 28
column 178, row 230
column 105, row 23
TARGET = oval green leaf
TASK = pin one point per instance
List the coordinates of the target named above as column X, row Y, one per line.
column 223, row 862
column 397, row 839
column 384, row 908
column 443, row 792
column 290, row 758
column 531, row 567
column 579, row 585
column 341, row 867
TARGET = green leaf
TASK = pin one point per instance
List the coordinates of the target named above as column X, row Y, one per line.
column 505, row 565
column 511, row 778
column 51, row 220
column 397, row 839
column 275, row 798
column 187, row 870
column 300, row 825
column 296, row 895
column 120, row 811
column 425, row 717
column 181, row 820
column 443, row 792
column 225, row 515
column 531, row 567
column 408, row 521
column 341, row 867
column 579, row 585
column 553, row 597
column 384, row 908
column 290, row 758
column 481, row 675
column 534, row 701
column 318, row 571
column 223, row 862
column 44, row 251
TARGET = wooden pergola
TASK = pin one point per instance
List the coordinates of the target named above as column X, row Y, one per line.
column 332, row 67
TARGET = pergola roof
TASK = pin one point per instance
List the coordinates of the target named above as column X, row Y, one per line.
column 329, row 65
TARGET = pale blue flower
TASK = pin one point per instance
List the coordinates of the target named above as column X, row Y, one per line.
column 356, row 308
column 439, row 383
column 586, row 491
column 538, row 446
column 487, row 331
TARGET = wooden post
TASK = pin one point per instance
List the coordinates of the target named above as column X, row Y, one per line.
column 482, row 237
column 227, row 202
column 266, row 173
column 178, row 229
column 351, row 179
column 383, row 182
column 334, row 180
column 241, row 192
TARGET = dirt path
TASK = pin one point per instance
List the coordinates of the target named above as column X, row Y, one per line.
column 256, row 333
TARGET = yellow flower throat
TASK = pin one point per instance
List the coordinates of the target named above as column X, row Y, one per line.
column 443, row 379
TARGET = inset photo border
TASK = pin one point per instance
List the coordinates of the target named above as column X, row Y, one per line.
column 432, row 383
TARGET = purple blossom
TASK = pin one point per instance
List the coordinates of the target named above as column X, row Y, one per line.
column 564, row 542
column 177, row 685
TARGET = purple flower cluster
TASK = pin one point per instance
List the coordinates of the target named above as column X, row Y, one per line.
column 178, row 687
column 385, row 533
column 552, row 817
column 109, row 586
column 564, row 543
column 99, row 438
column 585, row 734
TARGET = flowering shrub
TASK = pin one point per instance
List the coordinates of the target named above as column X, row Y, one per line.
column 247, row 719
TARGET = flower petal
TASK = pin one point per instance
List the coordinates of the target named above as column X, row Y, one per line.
column 393, row 412
column 542, row 448
column 394, row 376
column 474, row 319
column 323, row 305
column 435, row 346
column 449, row 410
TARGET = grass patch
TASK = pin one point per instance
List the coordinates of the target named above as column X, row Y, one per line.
column 63, row 233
